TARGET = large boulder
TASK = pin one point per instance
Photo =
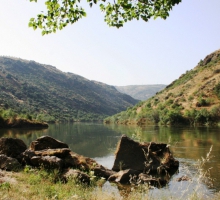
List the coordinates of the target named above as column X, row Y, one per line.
column 12, row 147
column 151, row 158
column 46, row 142
column 129, row 155
column 9, row 164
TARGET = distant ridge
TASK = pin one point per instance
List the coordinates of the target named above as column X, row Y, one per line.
column 50, row 94
column 141, row 92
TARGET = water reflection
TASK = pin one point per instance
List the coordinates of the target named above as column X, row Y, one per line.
column 99, row 141
column 187, row 143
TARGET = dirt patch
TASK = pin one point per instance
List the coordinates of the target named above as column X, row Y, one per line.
column 7, row 177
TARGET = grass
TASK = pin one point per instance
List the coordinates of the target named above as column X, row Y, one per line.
column 39, row 184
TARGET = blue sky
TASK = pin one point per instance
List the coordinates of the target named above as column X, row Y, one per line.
column 156, row 52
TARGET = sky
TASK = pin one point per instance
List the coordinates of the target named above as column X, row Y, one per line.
column 140, row 53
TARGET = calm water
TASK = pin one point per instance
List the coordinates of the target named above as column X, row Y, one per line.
column 99, row 141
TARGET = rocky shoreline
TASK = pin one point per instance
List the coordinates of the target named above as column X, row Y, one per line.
column 21, row 123
column 135, row 162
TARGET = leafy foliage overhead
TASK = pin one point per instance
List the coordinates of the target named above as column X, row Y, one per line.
column 60, row 13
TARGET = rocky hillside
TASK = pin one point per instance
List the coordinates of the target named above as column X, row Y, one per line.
column 194, row 98
column 141, row 92
column 50, row 94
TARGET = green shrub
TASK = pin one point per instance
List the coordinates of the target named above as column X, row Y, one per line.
column 5, row 186
column 175, row 117
column 2, row 121
column 216, row 71
column 155, row 116
column 190, row 98
column 191, row 115
column 215, row 113
column 149, row 105
column 169, row 102
column 217, row 90
column 203, row 102
column 203, row 116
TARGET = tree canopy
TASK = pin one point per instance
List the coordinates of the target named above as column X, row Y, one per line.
column 60, row 13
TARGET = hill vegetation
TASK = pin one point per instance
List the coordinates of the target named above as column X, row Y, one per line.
column 48, row 94
column 10, row 119
column 194, row 98
column 141, row 92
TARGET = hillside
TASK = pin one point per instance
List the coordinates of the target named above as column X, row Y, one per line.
column 194, row 98
column 141, row 92
column 50, row 94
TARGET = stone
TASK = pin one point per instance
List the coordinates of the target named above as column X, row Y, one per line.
column 12, row 147
column 6, row 178
column 25, row 157
column 46, row 142
column 150, row 158
column 48, row 162
column 129, row 155
column 9, row 164
column 75, row 160
column 211, row 57
column 101, row 171
column 60, row 153
column 124, row 176
column 151, row 181
column 183, row 178
column 77, row 175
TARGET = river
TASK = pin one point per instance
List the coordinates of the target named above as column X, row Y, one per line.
column 98, row 141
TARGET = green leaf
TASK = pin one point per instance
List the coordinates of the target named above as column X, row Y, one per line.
column 116, row 13
column 43, row 33
column 30, row 24
column 84, row 14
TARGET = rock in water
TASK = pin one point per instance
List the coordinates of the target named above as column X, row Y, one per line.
column 151, row 158
column 123, row 176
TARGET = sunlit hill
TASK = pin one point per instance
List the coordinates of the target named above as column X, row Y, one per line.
column 194, row 98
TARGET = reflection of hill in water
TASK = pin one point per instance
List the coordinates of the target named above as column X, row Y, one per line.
column 195, row 136
column 98, row 140
column 88, row 139
column 187, row 143
column 27, row 135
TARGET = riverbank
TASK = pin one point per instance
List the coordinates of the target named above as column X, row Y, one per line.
column 73, row 176
column 21, row 123
column 37, row 184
